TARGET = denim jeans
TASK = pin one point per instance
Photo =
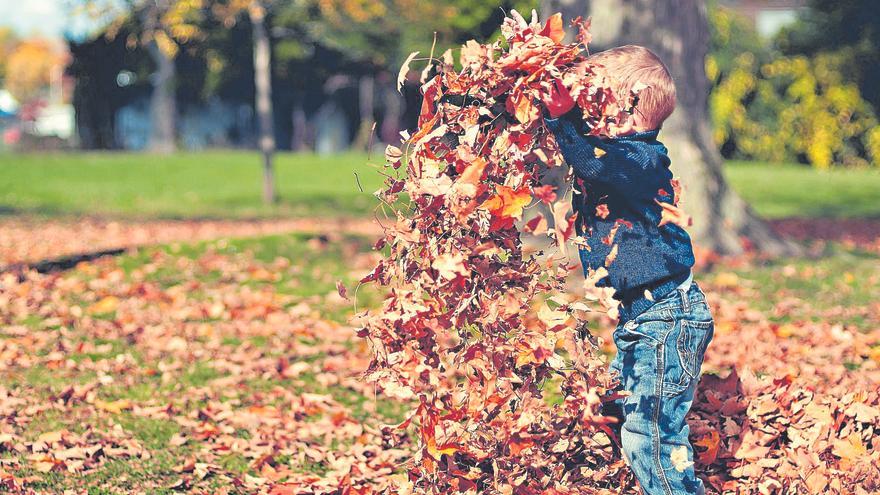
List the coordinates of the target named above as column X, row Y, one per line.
column 659, row 354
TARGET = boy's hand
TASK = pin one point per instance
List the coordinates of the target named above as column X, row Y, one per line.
column 558, row 100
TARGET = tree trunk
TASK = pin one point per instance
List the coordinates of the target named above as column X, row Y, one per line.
column 678, row 32
column 366, row 98
column 163, row 103
column 392, row 103
column 298, row 117
column 263, row 84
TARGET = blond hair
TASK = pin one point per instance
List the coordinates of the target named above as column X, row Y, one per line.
column 632, row 64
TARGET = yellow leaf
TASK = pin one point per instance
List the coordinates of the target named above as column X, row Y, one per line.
column 105, row 305
column 849, row 449
column 680, row 460
column 166, row 44
column 113, row 407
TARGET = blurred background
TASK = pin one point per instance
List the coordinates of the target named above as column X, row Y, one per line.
column 186, row 110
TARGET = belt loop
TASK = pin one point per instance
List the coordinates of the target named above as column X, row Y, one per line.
column 685, row 301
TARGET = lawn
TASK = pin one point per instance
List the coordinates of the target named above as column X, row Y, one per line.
column 787, row 190
column 187, row 185
column 227, row 184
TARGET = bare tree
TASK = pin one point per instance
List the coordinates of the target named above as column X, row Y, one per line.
column 263, row 84
column 678, row 31
column 163, row 103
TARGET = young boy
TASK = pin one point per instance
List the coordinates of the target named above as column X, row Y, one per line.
column 665, row 323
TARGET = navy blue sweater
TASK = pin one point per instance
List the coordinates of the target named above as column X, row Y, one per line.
column 629, row 179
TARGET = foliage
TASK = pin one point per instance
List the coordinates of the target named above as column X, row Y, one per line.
column 217, row 367
column 165, row 24
column 8, row 40
column 30, row 67
column 850, row 31
column 769, row 107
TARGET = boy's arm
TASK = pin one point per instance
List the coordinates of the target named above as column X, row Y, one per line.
column 615, row 164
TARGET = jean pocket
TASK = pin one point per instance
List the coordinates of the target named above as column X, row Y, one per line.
column 684, row 355
column 692, row 342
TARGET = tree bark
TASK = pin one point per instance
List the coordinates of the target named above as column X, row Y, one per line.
column 163, row 103
column 263, row 85
column 366, row 107
column 300, row 122
column 678, row 32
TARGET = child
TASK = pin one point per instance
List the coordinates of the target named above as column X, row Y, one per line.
column 665, row 323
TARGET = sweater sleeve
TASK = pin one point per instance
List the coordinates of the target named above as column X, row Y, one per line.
column 620, row 165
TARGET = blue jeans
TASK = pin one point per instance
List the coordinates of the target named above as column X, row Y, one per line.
column 659, row 354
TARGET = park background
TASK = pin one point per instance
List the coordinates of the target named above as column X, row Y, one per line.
column 183, row 182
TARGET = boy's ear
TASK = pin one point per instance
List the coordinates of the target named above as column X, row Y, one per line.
column 625, row 127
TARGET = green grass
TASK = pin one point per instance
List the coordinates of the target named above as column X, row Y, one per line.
column 227, row 184
column 185, row 185
column 786, row 190
column 841, row 279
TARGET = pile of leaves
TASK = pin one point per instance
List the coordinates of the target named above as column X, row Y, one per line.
column 472, row 334
column 467, row 331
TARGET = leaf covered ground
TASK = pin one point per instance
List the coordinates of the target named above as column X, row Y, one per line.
column 228, row 367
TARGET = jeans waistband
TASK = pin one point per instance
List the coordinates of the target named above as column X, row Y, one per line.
column 640, row 302
column 680, row 298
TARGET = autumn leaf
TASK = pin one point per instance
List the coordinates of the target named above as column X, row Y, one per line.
column 557, row 99
column 508, row 203
column 404, row 70
column 612, row 255
column 850, row 450
column 523, row 108
column 450, row 265
column 554, row 29
column 107, row 304
column 113, row 407
column 710, row 442
column 674, row 215
column 545, row 193
column 679, row 458
column 342, row 290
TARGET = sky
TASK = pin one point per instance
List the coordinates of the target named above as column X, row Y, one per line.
column 47, row 18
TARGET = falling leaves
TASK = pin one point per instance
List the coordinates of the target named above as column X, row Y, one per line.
column 462, row 327
column 679, row 458
column 404, row 70
column 674, row 215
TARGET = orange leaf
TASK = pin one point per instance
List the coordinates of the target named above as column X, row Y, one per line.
column 673, row 214
column 508, row 203
column 554, row 29
column 710, row 442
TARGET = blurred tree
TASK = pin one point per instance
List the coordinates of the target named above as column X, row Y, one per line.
column 849, row 29
column 97, row 65
column 164, row 26
column 31, row 66
column 376, row 35
column 722, row 221
column 258, row 12
column 771, row 107
column 8, row 41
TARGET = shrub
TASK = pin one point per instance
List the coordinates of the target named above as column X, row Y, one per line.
column 765, row 106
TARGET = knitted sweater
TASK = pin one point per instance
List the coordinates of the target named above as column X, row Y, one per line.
column 618, row 186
